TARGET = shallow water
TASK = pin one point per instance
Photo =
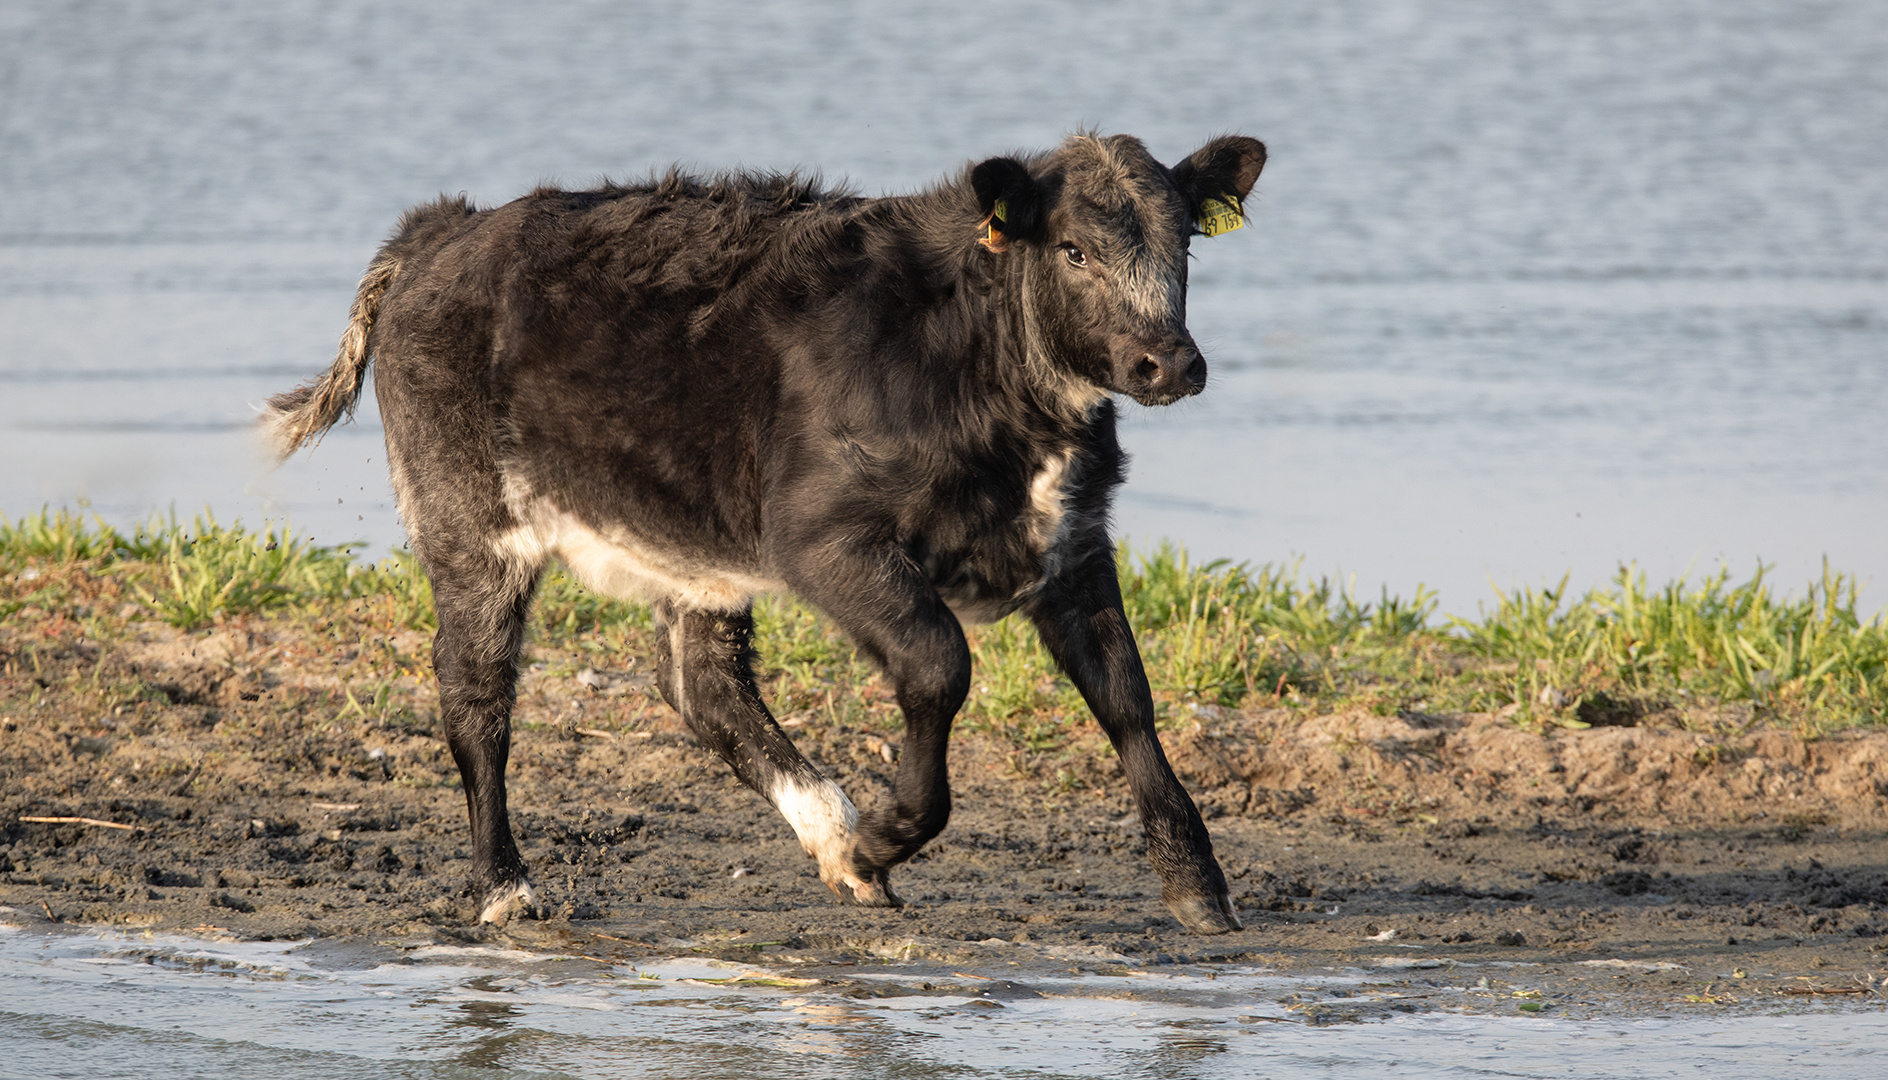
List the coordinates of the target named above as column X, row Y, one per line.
column 1527, row 291
column 163, row 1006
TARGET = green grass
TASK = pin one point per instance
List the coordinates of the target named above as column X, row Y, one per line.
column 1734, row 642
column 1211, row 633
column 193, row 575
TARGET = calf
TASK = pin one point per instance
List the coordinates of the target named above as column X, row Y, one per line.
column 693, row 390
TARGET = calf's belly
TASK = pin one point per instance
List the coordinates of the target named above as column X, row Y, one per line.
column 619, row 563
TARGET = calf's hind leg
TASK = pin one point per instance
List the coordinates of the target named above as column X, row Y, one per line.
column 705, row 668
column 475, row 656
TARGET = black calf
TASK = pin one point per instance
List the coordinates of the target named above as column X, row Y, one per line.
column 693, row 391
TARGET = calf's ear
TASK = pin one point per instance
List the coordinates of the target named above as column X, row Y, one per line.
column 1009, row 200
column 1226, row 167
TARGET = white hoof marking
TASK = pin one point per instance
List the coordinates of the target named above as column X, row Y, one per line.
column 501, row 902
column 824, row 820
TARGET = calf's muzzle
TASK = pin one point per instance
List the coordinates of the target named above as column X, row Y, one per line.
column 1165, row 374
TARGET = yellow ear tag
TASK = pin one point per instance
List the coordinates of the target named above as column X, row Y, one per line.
column 1221, row 215
column 993, row 237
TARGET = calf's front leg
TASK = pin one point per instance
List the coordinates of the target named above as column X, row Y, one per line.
column 1083, row 625
column 885, row 604
column 705, row 668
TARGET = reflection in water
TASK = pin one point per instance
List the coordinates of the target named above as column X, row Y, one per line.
column 490, row 1051
column 1183, row 1056
column 507, row 1040
column 833, row 1029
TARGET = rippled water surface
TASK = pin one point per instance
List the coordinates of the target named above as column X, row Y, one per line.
column 1529, row 289
column 158, row 1007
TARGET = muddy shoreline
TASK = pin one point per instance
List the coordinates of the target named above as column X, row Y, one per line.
column 265, row 796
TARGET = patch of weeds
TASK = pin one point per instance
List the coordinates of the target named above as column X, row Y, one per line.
column 1012, row 675
column 1811, row 660
column 1714, row 754
column 380, row 702
column 192, row 576
column 1221, row 633
column 56, row 537
column 807, row 661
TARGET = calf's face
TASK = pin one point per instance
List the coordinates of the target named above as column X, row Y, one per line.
column 1100, row 231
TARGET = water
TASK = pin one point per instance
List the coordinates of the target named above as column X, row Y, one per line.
column 158, row 1007
column 1529, row 290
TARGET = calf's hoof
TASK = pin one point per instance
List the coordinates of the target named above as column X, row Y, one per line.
column 872, row 888
column 504, row 902
column 1205, row 914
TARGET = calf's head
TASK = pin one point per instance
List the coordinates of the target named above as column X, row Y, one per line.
column 1097, row 234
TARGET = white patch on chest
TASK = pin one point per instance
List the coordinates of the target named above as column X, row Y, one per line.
column 1046, row 525
column 1049, row 518
column 619, row 564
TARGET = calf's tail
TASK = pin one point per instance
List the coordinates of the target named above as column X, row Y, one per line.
column 291, row 420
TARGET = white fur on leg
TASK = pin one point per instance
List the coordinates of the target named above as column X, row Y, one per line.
column 503, row 901
column 824, row 820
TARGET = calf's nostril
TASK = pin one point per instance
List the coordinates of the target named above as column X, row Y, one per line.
column 1196, row 372
column 1147, row 370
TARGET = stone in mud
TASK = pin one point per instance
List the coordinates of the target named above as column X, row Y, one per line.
column 1628, row 882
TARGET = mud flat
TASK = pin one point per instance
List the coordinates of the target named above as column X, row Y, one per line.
column 245, row 789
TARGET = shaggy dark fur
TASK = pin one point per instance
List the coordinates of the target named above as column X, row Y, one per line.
column 693, row 390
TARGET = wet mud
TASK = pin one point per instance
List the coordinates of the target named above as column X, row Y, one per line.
column 244, row 789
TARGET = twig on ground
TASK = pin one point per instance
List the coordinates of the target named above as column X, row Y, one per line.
column 79, row 821
column 626, row 941
column 184, row 788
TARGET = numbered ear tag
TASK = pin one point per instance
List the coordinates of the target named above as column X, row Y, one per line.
column 993, row 237
column 1221, row 215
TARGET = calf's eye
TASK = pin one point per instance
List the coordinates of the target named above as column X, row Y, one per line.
column 1075, row 256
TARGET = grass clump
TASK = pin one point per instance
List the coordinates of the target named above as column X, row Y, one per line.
column 1220, row 632
column 213, row 570
column 58, row 538
column 1811, row 656
column 193, row 575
